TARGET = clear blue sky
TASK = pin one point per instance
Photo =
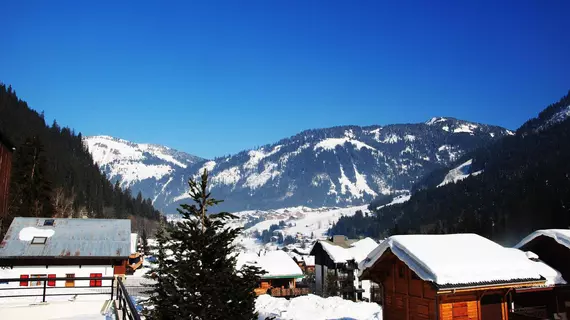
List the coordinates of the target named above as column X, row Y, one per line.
column 215, row 77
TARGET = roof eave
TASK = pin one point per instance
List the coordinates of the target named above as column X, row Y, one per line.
column 507, row 284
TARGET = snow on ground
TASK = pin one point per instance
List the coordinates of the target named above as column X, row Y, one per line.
column 312, row 307
column 459, row 173
column 332, row 143
column 466, row 127
column 86, row 307
column 398, row 199
column 305, row 221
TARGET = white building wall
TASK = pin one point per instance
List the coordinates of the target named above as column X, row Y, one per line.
column 59, row 271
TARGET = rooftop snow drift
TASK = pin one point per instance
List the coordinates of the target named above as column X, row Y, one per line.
column 457, row 259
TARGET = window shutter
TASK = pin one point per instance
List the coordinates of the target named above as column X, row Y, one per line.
column 24, row 283
column 92, row 281
column 51, row 283
column 98, row 283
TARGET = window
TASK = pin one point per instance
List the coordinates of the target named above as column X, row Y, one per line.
column 51, row 283
column 95, row 282
column 70, row 280
column 24, row 280
column 39, row 240
column 401, row 272
column 49, row 222
column 36, row 280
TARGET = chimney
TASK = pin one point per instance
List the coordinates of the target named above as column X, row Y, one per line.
column 339, row 239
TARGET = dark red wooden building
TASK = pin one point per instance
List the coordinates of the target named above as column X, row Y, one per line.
column 6, row 150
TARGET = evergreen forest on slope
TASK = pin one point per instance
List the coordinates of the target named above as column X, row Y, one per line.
column 525, row 186
column 54, row 175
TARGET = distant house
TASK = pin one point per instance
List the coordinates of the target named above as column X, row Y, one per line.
column 305, row 262
column 6, row 150
column 551, row 246
column 456, row 276
column 336, row 264
column 70, row 248
column 281, row 272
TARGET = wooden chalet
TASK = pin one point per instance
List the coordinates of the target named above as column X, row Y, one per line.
column 552, row 247
column 47, row 247
column 448, row 277
column 6, row 150
column 281, row 273
column 338, row 259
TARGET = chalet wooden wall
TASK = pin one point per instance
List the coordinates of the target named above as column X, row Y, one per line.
column 5, row 169
column 407, row 297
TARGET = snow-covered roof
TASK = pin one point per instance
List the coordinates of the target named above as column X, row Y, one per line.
column 561, row 236
column 309, row 261
column 357, row 251
column 551, row 275
column 66, row 238
column 277, row 264
column 457, row 259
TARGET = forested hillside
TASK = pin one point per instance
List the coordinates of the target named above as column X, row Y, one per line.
column 525, row 185
column 53, row 173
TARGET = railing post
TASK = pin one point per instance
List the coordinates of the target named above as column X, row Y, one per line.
column 44, row 294
column 112, row 287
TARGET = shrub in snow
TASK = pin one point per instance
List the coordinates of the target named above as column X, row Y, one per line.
column 195, row 273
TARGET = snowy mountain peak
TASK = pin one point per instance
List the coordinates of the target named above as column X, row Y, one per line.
column 131, row 162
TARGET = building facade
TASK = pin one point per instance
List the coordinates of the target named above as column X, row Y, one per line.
column 448, row 277
column 65, row 248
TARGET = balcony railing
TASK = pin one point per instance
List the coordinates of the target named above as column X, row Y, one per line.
column 116, row 289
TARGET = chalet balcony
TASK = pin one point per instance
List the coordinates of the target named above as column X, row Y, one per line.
column 292, row 292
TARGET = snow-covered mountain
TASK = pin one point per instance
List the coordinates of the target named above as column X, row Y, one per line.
column 339, row 166
column 139, row 166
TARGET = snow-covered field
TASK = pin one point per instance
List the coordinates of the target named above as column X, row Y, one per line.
column 305, row 221
column 313, row 307
column 300, row 222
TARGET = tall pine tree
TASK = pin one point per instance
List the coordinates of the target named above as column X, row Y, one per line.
column 195, row 272
column 31, row 186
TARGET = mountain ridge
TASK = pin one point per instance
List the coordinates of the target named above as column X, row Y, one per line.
column 336, row 166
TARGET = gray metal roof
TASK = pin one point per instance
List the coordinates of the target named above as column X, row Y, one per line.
column 68, row 238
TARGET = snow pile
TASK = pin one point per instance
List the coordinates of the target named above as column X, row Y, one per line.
column 561, row 236
column 28, row 233
column 357, row 251
column 459, row 173
column 455, row 258
column 313, row 307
